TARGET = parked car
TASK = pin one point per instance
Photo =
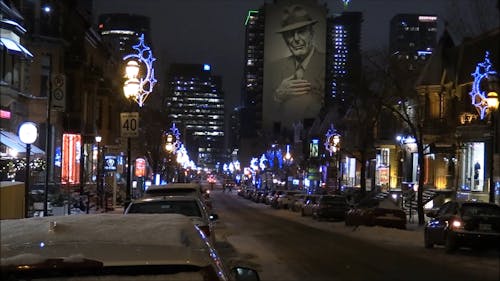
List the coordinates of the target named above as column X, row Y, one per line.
column 463, row 224
column 189, row 206
column 111, row 247
column 307, row 207
column 297, row 202
column 330, row 207
column 284, row 200
column 269, row 197
column 376, row 213
column 274, row 200
column 257, row 197
column 178, row 188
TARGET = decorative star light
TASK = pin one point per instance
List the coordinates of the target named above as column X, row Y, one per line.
column 175, row 131
column 329, row 144
column 478, row 96
column 144, row 55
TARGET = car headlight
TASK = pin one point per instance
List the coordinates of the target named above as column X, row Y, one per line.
column 456, row 224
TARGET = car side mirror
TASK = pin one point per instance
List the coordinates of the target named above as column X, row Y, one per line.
column 213, row 217
column 245, row 274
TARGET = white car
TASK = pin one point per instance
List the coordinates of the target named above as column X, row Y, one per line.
column 189, row 206
column 111, row 247
column 286, row 198
column 179, row 188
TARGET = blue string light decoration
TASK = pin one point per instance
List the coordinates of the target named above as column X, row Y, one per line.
column 478, row 96
column 177, row 134
column 145, row 56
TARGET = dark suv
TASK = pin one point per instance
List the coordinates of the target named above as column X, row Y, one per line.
column 463, row 224
column 330, row 207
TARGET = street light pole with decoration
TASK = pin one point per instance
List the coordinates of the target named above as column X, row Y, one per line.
column 140, row 81
column 492, row 100
column 172, row 145
column 487, row 104
column 332, row 145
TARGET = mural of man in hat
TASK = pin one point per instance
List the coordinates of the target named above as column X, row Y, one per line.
column 299, row 78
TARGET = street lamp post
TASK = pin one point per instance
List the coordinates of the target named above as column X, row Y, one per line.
column 169, row 147
column 28, row 134
column 332, row 144
column 137, row 87
column 336, row 149
column 98, row 165
column 288, row 161
column 492, row 100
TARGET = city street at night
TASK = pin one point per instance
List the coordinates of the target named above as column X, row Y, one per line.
column 282, row 245
column 255, row 140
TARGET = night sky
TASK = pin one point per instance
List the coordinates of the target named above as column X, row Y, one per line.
column 212, row 31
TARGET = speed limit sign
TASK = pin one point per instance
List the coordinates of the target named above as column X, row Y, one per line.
column 129, row 122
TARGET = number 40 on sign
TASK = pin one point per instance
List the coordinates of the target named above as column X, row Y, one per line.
column 129, row 124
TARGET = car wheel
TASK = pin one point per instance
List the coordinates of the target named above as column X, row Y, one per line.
column 450, row 244
column 427, row 243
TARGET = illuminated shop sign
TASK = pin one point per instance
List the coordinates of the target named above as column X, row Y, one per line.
column 4, row 114
column 110, row 163
column 70, row 170
column 140, row 167
column 427, row 18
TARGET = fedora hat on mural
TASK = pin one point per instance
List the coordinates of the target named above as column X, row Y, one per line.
column 295, row 17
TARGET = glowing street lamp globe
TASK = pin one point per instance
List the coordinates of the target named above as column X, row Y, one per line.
column 28, row 132
column 132, row 69
column 131, row 88
column 492, row 100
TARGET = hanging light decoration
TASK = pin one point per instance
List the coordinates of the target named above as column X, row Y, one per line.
column 139, row 87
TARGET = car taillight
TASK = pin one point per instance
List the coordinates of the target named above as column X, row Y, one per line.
column 205, row 229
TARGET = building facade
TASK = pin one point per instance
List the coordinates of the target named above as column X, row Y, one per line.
column 194, row 101
column 412, row 37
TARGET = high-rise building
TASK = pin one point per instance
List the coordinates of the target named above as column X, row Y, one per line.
column 122, row 31
column 253, row 73
column 343, row 55
column 412, row 38
column 195, row 103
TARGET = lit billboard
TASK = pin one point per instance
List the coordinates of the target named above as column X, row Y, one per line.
column 294, row 62
column 70, row 166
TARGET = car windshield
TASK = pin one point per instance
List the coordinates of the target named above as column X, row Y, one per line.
column 187, row 208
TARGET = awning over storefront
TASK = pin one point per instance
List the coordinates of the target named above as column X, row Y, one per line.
column 12, row 140
column 15, row 48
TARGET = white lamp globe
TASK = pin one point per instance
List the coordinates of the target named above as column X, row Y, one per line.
column 28, row 132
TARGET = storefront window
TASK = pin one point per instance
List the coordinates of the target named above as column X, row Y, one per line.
column 472, row 170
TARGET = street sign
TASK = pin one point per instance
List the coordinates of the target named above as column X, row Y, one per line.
column 129, row 122
column 58, row 93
